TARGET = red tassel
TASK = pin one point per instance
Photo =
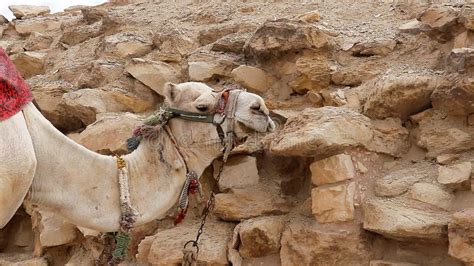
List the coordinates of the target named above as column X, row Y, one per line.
column 180, row 217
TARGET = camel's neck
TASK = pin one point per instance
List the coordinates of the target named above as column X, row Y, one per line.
column 82, row 185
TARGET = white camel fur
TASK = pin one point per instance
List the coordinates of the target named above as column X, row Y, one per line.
column 81, row 185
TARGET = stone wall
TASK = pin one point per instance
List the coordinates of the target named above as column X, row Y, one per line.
column 371, row 163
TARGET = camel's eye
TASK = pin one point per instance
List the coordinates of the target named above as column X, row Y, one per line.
column 202, row 108
column 255, row 107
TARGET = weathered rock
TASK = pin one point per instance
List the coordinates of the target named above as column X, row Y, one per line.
column 431, row 194
column 100, row 73
column 232, row 43
column 446, row 158
column 16, row 259
column 306, row 243
column 321, row 133
column 3, row 20
column 109, row 133
column 454, row 96
column 213, row 247
column 127, row 44
column 379, row 47
column 239, row 172
column 333, row 204
column 441, row 134
column 397, row 96
column 398, row 182
column 390, row 137
column 212, row 34
column 153, row 74
column 352, row 76
column 85, row 104
column 250, row 202
column 313, row 73
column 28, row 11
column 464, row 40
column 48, row 95
column 461, row 233
column 455, row 176
column 466, row 17
column 274, row 38
column 390, row 263
column 332, row 170
column 412, row 27
column 252, row 78
column 54, row 230
column 396, row 219
column 438, row 22
column 77, row 34
column 461, row 60
column 41, row 25
column 260, row 237
column 203, row 67
column 38, row 41
column 29, row 63
column 310, row 17
column 175, row 44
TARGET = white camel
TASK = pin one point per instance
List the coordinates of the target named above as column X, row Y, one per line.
column 81, row 186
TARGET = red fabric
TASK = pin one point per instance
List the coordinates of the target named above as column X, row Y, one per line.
column 14, row 92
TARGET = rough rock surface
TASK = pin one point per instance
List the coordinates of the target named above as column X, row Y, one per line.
column 398, row 182
column 260, row 236
column 461, row 233
column 395, row 219
column 333, row 204
column 333, row 169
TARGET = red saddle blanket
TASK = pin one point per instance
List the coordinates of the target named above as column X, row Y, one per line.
column 14, row 92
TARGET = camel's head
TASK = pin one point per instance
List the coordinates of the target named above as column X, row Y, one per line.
column 250, row 111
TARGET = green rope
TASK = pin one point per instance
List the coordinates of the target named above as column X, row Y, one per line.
column 121, row 240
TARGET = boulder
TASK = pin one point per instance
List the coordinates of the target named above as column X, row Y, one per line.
column 277, row 37
column 232, row 43
column 461, row 234
column 127, row 44
column 332, row 169
column 441, row 134
column 466, row 17
column 48, row 95
column 38, row 41
column 19, row 259
column 353, row 75
column 153, row 74
column 29, row 63
column 85, row 104
column 41, row 25
column 461, row 60
column 321, row 133
column 446, row 158
column 250, row 202
column 381, row 47
column 313, row 73
column 3, row 20
column 203, row 67
column 212, row 245
column 28, row 11
column 213, row 33
column 431, row 194
column 454, row 96
column 100, row 73
column 397, row 96
column 175, row 45
column 412, row 27
column 77, row 34
column 239, row 172
column 439, row 22
column 333, row 204
column 398, row 182
column 306, row 243
column 455, row 176
column 390, row 137
column 260, row 236
column 400, row 220
column 252, row 78
column 54, row 230
column 310, row 17
column 109, row 133
column 464, row 40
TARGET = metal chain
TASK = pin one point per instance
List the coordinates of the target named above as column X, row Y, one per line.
column 209, row 205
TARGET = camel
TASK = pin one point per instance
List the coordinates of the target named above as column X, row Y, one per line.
column 52, row 171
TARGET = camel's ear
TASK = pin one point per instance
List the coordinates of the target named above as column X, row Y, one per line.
column 170, row 91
